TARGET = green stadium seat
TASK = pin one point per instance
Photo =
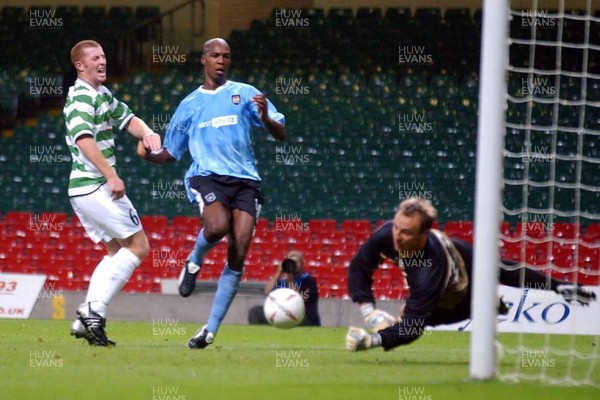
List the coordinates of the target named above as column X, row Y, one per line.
column 13, row 15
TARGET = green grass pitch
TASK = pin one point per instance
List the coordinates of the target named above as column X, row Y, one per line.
column 39, row 360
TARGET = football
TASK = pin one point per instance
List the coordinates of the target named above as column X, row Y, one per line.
column 284, row 308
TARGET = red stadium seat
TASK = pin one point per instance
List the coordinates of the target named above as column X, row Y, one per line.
column 589, row 258
column 262, row 224
column 562, row 255
column 187, row 225
column 356, row 225
column 505, row 229
column 319, row 226
column 592, row 233
column 18, row 218
column 510, row 250
column 531, row 229
column 294, row 237
column 566, row 230
column 459, row 229
column 155, row 223
column 536, row 253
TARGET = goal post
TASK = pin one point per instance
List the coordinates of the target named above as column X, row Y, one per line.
column 537, row 200
column 490, row 145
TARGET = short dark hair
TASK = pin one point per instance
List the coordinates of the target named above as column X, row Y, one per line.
column 77, row 50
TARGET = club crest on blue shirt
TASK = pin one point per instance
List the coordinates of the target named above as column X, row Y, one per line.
column 235, row 99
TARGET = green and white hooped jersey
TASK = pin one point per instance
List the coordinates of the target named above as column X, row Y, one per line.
column 92, row 112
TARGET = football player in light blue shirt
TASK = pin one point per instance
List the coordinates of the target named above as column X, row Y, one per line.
column 214, row 124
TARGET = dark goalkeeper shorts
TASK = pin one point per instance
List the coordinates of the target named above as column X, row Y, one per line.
column 232, row 192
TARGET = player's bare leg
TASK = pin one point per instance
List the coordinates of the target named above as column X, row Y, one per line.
column 215, row 226
column 242, row 225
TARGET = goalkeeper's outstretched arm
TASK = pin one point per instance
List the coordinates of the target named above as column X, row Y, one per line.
column 360, row 279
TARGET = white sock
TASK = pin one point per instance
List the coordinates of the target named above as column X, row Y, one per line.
column 98, row 276
column 108, row 279
column 367, row 309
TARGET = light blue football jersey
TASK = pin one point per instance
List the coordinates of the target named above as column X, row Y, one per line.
column 215, row 126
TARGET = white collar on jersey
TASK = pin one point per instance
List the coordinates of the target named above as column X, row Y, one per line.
column 217, row 90
column 89, row 85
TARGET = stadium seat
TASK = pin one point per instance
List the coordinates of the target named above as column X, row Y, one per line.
column 186, row 225
column 158, row 223
column 459, row 229
column 322, row 226
column 530, row 229
column 592, row 233
column 340, row 17
column 589, row 257
column 565, row 230
column 18, row 218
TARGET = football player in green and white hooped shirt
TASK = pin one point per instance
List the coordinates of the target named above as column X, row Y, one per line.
column 96, row 192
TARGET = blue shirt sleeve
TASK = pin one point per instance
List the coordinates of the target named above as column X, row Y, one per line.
column 272, row 110
column 176, row 138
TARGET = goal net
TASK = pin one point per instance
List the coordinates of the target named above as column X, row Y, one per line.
column 550, row 199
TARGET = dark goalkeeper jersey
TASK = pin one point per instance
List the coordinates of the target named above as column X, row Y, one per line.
column 426, row 271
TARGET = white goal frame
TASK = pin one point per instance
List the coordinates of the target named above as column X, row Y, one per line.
column 490, row 146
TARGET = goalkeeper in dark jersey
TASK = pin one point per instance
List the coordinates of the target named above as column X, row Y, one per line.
column 438, row 273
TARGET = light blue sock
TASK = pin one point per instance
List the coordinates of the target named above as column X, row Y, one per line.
column 226, row 290
column 201, row 247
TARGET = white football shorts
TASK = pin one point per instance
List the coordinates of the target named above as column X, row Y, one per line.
column 104, row 218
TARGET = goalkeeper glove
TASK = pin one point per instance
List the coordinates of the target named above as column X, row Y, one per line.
column 375, row 319
column 358, row 339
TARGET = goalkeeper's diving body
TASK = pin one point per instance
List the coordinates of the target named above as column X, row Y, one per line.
column 438, row 273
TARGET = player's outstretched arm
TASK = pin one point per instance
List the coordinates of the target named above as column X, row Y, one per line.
column 161, row 156
column 140, row 130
